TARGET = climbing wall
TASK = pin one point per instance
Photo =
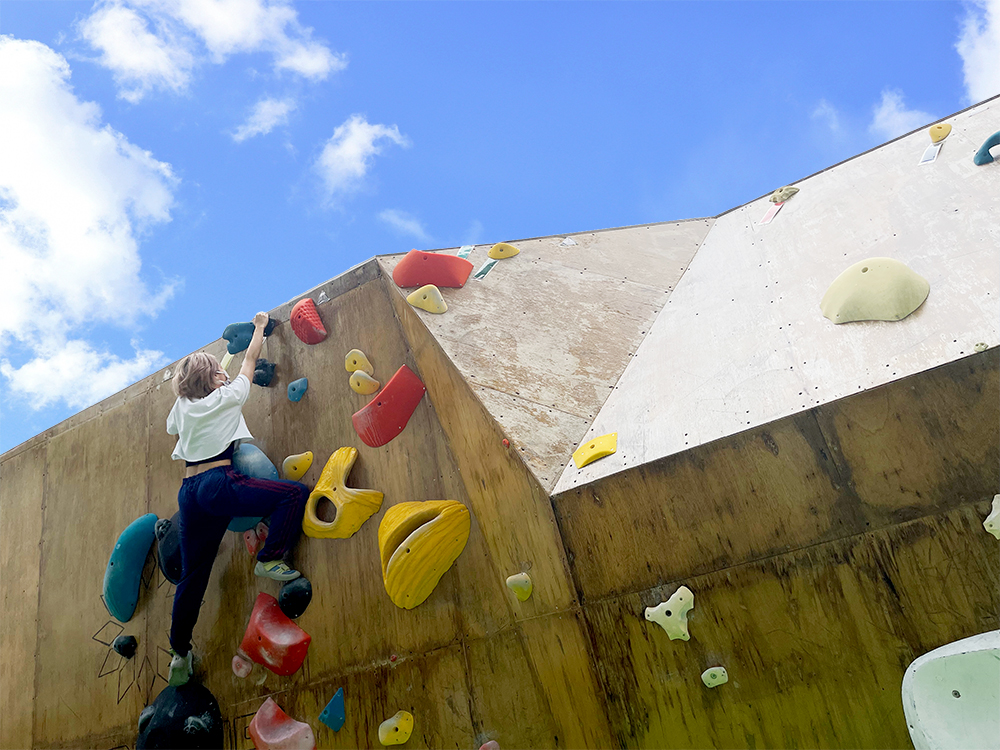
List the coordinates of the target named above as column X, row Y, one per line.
column 828, row 539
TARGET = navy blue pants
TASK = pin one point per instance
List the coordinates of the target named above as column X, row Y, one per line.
column 208, row 502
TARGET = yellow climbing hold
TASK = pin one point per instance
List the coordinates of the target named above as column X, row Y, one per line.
column 363, row 383
column 521, row 585
column 503, row 250
column 428, row 298
column 418, row 542
column 874, row 289
column 354, row 506
column 296, row 465
column 356, row 360
column 594, row 449
column 783, row 194
column 939, row 132
column 397, row 730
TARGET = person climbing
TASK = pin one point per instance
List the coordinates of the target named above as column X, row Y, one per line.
column 207, row 418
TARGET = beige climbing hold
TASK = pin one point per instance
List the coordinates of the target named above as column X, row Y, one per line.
column 356, row 360
column 992, row 522
column 715, row 676
column 503, row 250
column 428, row 298
column 874, row 289
column 783, row 194
column 596, row 448
column 296, row 465
column 354, row 507
column 521, row 585
column 363, row 383
column 939, row 132
column 397, row 730
column 227, row 359
column 672, row 615
column 418, row 542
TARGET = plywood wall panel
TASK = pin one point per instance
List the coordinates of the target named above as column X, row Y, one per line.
column 512, row 509
column 815, row 641
column 95, row 487
column 22, row 478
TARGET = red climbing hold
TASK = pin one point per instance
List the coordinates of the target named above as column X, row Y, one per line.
column 386, row 415
column 254, row 538
column 419, row 268
column 273, row 729
column 272, row 639
column 393, row 657
column 306, row 322
column 506, row 443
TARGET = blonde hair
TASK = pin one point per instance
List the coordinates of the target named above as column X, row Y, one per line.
column 193, row 379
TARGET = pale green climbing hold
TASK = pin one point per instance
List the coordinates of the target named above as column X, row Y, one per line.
column 874, row 289
column 521, row 585
column 783, row 194
column 715, row 676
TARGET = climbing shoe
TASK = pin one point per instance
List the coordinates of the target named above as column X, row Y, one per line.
column 180, row 669
column 276, row 570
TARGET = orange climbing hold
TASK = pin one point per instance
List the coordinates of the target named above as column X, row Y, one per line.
column 386, row 415
column 272, row 639
column 418, row 268
column 273, row 729
column 306, row 322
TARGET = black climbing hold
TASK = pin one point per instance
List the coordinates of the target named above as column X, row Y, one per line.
column 185, row 718
column 295, row 597
column 125, row 645
column 168, row 547
column 263, row 372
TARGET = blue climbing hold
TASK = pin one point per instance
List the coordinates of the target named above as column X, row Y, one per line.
column 251, row 461
column 333, row 715
column 124, row 572
column 238, row 335
column 983, row 155
column 297, row 389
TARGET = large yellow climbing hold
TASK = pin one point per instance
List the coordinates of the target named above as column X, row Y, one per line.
column 418, row 542
column 428, row 298
column 939, row 132
column 354, row 506
column 363, row 383
column 396, row 730
column 296, row 465
column 594, row 449
column 503, row 250
column 874, row 289
column 356, row 360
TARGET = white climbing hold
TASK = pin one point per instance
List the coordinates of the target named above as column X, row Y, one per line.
column 166, row 375
column 568, row 242
column 322, row 298
column 715, row 676
column 672, row 615
column 992, row 522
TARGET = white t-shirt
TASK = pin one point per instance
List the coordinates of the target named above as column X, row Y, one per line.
column 206, row 426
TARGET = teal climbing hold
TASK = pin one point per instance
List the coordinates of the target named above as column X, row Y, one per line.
column 333, row 715
column 124, row 572
column 297, row 389
column 983, row 155
column 251, row 461
column 238, row 335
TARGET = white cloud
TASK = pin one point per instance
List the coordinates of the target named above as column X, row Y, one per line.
column 347, row 156
column 404, row 223
column 139, row 59
column 891, row 118
column 979, row 47
column 74, row 195
column 266, row 115
column 187, row 32
column 827, row 114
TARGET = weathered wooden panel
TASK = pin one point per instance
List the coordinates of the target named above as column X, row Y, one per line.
column 790, row 484
column 433, row 687
column 512, row 509
column 815, row 641
column 22, row 477
column 95, row 487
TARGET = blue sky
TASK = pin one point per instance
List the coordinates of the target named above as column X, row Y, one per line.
column 167, row 168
